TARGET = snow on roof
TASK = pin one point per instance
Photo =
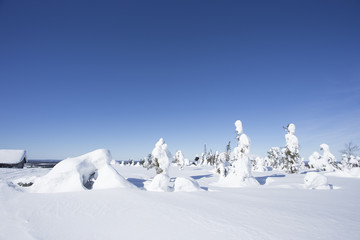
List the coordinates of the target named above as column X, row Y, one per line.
column 11, row 156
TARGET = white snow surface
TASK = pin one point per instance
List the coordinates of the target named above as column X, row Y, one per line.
column 278, row 208
column 11, row 156
column 88, row 171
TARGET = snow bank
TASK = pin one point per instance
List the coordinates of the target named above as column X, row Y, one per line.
column 183, row 184
column 88, row 171
column 352, row 173
column 315, row 180
column 11, row 156
column 160, row 183
column 235, row 181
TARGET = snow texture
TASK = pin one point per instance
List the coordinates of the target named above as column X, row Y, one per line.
column 88, row 171
column 11, row 156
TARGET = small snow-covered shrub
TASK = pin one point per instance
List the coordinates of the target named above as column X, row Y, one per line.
column 186, row 185
column 313, row 180
column 160, row 183
column 259, row 165
column 325, row 162
column 179, row 159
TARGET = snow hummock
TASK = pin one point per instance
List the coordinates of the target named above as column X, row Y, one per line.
column 160, row 183
column 11, row 156
column 315, row 180
column 183, row 184
column 89, row 171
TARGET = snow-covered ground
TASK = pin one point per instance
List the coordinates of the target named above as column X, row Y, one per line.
column 280, row 207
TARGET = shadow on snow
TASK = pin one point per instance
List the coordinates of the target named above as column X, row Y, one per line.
column 262, row 180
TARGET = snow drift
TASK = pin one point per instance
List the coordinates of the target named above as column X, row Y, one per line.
column 160, row 183
column 315, row 180
column 88, row 171
column 183, row 184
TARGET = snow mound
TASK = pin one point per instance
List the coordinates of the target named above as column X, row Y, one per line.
column 315, row 180
column 160, row 183
column 354, row 172
column 88, row 171
column 236, row 181
column 186, row 185
column 347, row 173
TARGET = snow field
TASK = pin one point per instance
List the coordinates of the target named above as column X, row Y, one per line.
column 281, row 209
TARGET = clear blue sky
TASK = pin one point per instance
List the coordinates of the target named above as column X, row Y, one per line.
column 80, row 75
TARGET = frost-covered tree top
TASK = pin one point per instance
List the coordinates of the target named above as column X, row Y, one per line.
column 327, row 155
column 239, row 128
column 291, row 128
column 292, row 142
column 163, row 155
column 179, row 158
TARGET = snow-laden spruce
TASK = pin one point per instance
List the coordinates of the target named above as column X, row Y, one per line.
column 179, row 159
column 290, row 154
column 89, row 171
column 273, row 158
column 324, row 162
column 161, row 160
column 240, row 174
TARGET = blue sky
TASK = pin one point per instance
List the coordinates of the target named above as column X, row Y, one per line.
column 81, row 75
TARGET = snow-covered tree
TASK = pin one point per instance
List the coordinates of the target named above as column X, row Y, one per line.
column 161, row 161
column 259, row 164
column 290, row 154
column 273, row 158
column 328, row 158
column 324, row 162
column 315, row 161
column 161, row 157
column 240, row 171
column 350, row 149
column 179, row 159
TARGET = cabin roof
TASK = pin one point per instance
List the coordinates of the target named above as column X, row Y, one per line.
column 11, row 156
